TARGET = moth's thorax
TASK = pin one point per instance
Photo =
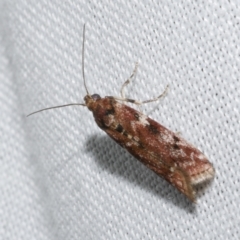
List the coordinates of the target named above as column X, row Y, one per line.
column 102, row 108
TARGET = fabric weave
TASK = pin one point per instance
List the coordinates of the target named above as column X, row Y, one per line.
column 61, row 177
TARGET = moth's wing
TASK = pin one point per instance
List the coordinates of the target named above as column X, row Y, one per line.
column 166, row 153
column 177, row 152
column 153, row 160
column 178, row 178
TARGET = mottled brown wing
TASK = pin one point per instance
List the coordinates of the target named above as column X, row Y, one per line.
column 176, row 176
column 167, row 154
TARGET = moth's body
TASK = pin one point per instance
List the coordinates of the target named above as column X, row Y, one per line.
column 158, row 148
column 163, row 151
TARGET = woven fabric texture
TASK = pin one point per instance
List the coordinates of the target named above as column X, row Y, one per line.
column 61, row 177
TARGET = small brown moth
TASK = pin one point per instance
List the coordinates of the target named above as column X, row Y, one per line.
column 160, row 149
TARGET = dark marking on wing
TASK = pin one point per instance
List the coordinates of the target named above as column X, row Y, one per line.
column 152, row 129
column 110, row 111
column 125, row 133
column 140, row 145
column 119, row 128
column 176, row 140
column 175, row 146
column 102, row 124
column 136, row 115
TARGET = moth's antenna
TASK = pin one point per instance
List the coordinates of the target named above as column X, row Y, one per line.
column 70, row 104
column 60, row 106
column 83, row 47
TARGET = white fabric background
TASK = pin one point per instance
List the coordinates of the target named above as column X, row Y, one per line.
column 61, row 177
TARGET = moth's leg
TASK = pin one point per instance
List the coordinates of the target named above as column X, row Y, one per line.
column 128, row 80
column 142, row 102
column 157, row 98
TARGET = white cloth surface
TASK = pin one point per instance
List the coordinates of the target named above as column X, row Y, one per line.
column 61, row 177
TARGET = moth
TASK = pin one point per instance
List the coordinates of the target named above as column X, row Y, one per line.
column 161, row 150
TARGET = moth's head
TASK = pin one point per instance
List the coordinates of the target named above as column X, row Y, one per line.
column 90, row 100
